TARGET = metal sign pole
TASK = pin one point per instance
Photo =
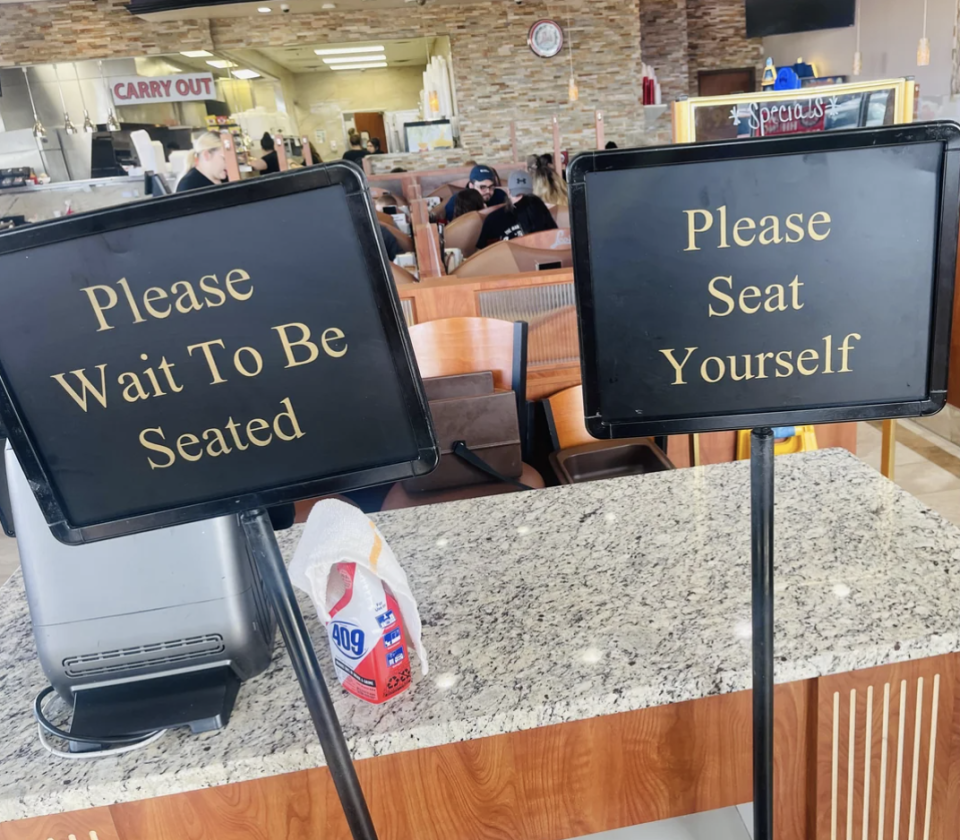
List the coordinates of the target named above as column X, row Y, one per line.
column 266, row 554
column 761, row 550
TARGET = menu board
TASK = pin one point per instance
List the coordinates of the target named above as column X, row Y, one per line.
column 767, row 282
column 205, row 353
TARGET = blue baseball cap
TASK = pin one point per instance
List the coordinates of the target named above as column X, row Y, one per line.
column 482, row 173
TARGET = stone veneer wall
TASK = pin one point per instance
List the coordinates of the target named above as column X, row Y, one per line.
column 497, row 77
column 664, row 44
column 69, row 30
column 716, row 35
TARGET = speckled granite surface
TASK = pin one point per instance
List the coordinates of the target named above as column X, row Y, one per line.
column 562, row 604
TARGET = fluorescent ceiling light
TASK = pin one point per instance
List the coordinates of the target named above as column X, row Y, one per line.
column 354, row 59
column 245, row 74
column 197, row 54
column 349, row 50
column 329, row 6
column 264, row 10
column 221, row 64
column 358, row 66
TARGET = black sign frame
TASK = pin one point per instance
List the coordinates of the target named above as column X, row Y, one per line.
column 945, row 133
column 345, row 174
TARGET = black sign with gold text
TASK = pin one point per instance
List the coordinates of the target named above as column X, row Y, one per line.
column 766, row 282
column 205, row 353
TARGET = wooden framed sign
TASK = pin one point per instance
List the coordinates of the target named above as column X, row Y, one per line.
column 766, row 282
column 206, row 353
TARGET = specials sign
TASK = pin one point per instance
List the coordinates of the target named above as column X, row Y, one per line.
column 206, row 353
column 182, row 87
column 766, row 282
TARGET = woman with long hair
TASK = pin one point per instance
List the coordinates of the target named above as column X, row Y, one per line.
column 523, row 213
column 547, row 184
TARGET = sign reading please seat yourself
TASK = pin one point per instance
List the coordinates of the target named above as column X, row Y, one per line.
column 766, row 282
column 206, row 353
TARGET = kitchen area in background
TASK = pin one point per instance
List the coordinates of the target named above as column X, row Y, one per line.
column 80, row 135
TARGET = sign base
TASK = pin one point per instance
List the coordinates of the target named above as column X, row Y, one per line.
column 266, row 554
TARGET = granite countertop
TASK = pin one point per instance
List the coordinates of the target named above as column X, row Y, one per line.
column 558, row 605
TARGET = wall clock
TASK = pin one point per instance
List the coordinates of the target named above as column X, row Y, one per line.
column 545, row 38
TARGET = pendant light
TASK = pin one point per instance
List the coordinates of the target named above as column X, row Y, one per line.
column 113, row 124
column 38, row 130
column 857, row 57
column 68, row 125
column 88, row 125
column 923, row 48
column 573, row 92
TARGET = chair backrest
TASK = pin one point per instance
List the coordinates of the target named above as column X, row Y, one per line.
column 385, row 219
column 403, row 240
column 444, row 192
column 565, row 419
column 559, row 238
column 401, row 276
column 494, row 259
column 535, row 259
column 453, row 346
column 561, row 216
column 463, row 232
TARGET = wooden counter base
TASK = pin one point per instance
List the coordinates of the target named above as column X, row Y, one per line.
column 579, row 778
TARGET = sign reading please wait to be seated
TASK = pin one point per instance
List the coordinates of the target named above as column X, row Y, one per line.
column 158, row 367
column 766, row 282
column 182, row 87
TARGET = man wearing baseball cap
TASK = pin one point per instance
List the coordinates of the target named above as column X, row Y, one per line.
column 522, row 214
column 483, row 180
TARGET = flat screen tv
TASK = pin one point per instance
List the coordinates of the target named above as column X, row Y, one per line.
column 778, row 17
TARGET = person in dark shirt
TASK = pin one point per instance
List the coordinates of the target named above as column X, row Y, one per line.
column 466, row 201
column 484, row 180
column 270, row 158
column 373, row 146
column 522, row 214
column 390, row 242
column 356, row 153
column 206, row 165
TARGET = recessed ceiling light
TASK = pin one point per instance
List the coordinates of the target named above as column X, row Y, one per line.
column 354, row 59
column 349, row 50
column 358, row 66
column 197, row 54
column 245, row 74
column 264, row 10
column 221, row 64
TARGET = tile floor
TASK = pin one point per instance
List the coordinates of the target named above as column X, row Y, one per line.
column 927, row 465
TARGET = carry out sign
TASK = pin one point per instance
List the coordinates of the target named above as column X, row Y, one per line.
column 182, row 87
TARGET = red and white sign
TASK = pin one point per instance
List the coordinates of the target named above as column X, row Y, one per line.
column 183, row 87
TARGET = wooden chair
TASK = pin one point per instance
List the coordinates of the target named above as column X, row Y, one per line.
column 565, row 418
column 463, row 233
column 549, row 239
column 452, row 346
column 385, row 219
column 513, row 257
column 401, row 276
column 561, row 216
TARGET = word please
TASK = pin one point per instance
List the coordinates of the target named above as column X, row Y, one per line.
column 740, row 368
column 746, row 231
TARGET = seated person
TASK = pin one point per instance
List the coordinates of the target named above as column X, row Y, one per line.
column 547, row 184
column 484, row 180
column 373, row 146
column 390, row 243
column 386, row 200
column 522, row 214
column 466, row 201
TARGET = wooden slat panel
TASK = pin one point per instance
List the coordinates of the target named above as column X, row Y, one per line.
column 919, row 720
column 79, row 824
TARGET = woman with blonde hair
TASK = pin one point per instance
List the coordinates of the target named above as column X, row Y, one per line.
column 206, row 165
column 547, row 184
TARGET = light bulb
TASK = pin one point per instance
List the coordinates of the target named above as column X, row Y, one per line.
column 68, row 125
column 39, row 130
column 88, row 125
column 113, row 124
column 857, row 63
column 573, row 92
column 923, row 52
